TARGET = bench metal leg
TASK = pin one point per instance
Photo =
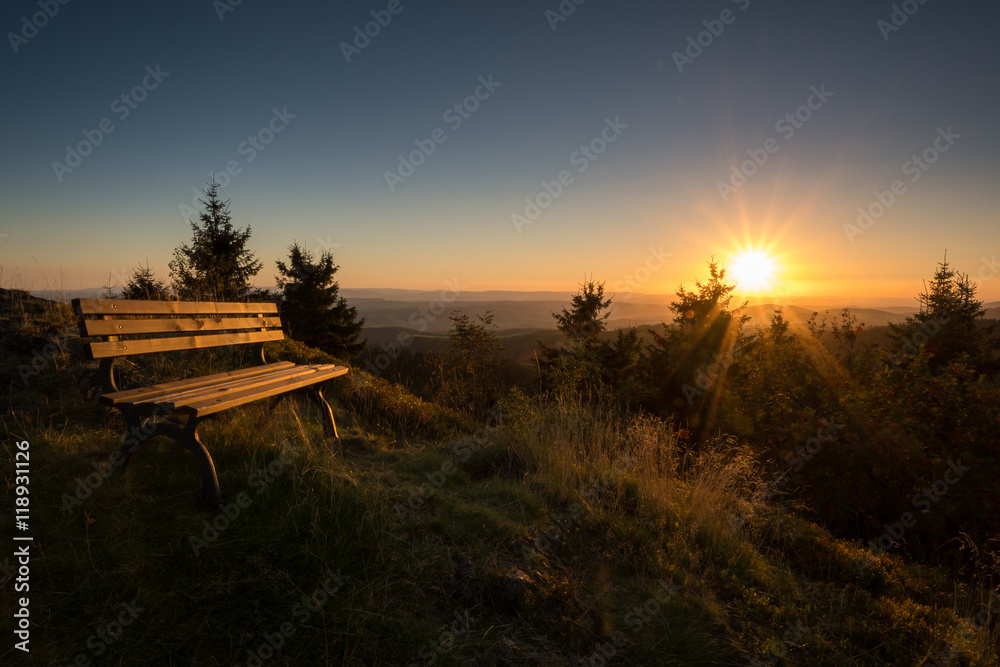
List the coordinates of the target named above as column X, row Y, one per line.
column 316, row 393
column 328, row 422
column 211, row 494
column 186, row 437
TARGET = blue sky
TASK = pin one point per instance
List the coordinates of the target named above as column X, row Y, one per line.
column 230, row 73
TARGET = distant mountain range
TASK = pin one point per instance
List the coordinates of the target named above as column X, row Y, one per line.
column 427, row 311
column 431, row 316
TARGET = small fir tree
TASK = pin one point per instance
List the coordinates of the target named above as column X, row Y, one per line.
column 144, row 285
column 217, row 266
column 311, row 305
column 949, row 326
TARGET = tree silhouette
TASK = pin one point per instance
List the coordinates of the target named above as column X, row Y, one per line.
column 579, row 362
column 472, row 381
column 949, row 325
column 583, row 323
column 690, row 362
column 217, row 266
column 143, row 284
column 311, row 306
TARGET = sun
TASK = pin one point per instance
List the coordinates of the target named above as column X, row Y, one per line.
column 753, row 270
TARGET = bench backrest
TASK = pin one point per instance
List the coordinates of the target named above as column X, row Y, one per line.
column 128, row 327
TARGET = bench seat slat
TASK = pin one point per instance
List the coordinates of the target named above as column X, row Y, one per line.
column 130, row 307
column 185, row 395
column 212, row 405
column 174, row 325
column 123, row 328
column 125, row 348
column 142, row 393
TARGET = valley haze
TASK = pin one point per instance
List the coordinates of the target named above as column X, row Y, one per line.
column 427, row 311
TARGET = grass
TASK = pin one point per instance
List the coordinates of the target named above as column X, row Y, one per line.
column 569, row 534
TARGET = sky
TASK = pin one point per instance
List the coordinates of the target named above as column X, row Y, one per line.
column 509, row 145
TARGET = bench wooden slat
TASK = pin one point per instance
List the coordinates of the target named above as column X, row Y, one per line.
column 124, row 328
column 210, row 406
column 130, row 307
column 144, row 393
column 124, row 348
column 182, row 396
column 174, row 325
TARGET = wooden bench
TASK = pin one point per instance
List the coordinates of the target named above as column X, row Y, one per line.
column 126, row 328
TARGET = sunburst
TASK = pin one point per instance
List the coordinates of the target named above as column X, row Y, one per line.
column 753, row 270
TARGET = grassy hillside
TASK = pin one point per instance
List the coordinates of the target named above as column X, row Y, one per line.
column 557, row 533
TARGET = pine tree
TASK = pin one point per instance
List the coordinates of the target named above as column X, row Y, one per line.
column 144, row 285
column 311, row 305
column 690, row 362
column 217, row 266
column 580, row 361
column 473, row 368
column 583, row 323
column 626, row 366
column 949, row 324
